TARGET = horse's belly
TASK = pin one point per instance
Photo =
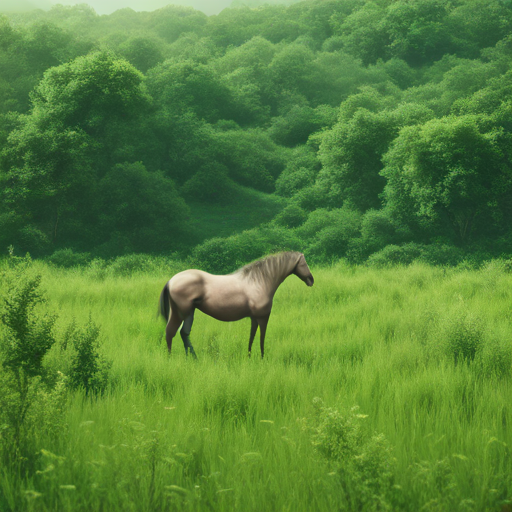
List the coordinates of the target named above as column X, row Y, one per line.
column 227, row 309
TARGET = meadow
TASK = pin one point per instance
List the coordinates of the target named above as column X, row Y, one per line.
column 381, row 389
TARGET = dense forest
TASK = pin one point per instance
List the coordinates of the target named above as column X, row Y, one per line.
column 379, row 129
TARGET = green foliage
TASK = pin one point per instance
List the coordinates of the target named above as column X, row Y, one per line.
column 351, row 156
column 68, row 258
column 300, row 172
column 144, row 53
column 299, row 123
column 328, row 233
column 450, row 171
column 291, row 217
column 133, row 264
column 26, row 335
column 88, row 370
column 398, row 107
column 463, row 337
column 395, row 255
column 185, row 85
column 210, row 185
column 90, row 93
column 364, row 464
column 141, row 211
column 251, row 157
column 224, row 255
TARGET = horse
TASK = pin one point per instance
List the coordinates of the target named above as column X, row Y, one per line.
column 247, row 292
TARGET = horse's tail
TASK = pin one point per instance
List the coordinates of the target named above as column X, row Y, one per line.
column 164, row 305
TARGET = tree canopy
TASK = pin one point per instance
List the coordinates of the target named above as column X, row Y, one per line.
column 391, row 120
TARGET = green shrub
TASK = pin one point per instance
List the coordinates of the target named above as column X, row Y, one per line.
column 377, row 231
column 97, row 268
column 32, row 239
column 26, row 336
column 88, row 370
column 291, row 217
column 211, row 185
column 224, row 255
column 442, row 254
column 300, row 171
column 312, row 198
column 328, row 233
column 133, row 263
column 363, row 462
column 67, row 258
column 396, row 254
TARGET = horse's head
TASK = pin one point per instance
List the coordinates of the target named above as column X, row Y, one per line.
column 302, row 271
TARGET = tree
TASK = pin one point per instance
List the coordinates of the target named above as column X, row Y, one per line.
column 477, row 24
column 452, row 175
column 417, row 30
column 171, row 21
column 363, row 32
column 52, row 161
column 190, row 86
column 143, row 52
column 90, row 93
column 141, row 211
column 251, row 157
column 351, row 157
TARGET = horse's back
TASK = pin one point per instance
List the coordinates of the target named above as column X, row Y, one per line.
column 222, row 297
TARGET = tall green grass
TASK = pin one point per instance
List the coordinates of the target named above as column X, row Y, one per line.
column 425, row 353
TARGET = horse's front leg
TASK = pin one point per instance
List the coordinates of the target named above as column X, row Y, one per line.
column 254, row 327
column 170, row 330
column 262, row 323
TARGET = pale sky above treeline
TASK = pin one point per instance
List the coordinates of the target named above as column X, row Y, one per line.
column 108, row 6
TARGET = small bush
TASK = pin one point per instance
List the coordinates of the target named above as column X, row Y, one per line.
column 292, row 180
column 396, row 254
column 67, row 258
column 442, row 254
column 31, row 238
column 88, row 369
column 291, row 217
column 224, row 255
column 132, row 264
column 300, row 171
column 328, row 233
column 377, row 231
column 364, row 463
column 25, row 338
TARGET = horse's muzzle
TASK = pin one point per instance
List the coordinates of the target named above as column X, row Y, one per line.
column 309, row 280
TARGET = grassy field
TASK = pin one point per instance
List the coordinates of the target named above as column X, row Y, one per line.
column 383, row 389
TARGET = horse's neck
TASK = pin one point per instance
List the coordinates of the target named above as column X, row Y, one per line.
column 282, row 272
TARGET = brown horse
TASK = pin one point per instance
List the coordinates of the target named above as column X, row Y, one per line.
column 248, row 292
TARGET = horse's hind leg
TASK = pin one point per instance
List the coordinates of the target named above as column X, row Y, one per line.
column 172, row 328
column 185, row 334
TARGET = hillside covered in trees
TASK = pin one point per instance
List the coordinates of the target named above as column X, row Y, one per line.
column 374, row 129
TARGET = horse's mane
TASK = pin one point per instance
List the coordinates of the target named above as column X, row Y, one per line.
column 268, row 267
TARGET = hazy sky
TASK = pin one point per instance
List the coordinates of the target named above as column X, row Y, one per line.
column 109, row 6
